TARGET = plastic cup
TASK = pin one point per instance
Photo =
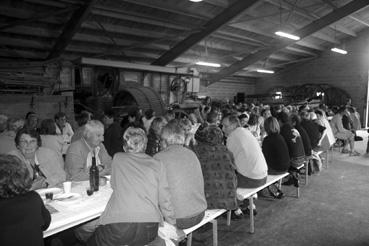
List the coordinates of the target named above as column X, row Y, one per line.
column 67, row 186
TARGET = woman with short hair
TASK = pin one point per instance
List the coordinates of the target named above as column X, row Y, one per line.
column 274, row 148
column 22, row 212
column 46, row 167
column 140, row 196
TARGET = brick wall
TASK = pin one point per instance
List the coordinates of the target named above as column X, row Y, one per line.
column 348, row 72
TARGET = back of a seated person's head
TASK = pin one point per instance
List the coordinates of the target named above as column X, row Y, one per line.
column 253, row 120
column 212, row 117
column 83, row 118
column 134, row 140
column 48, row 127
column 295, row 119
column 271, row 125
column 15, row 178
column 149, row 113
column 283, row 117
column 173, row 134
column 233, row 120
column 213, row 135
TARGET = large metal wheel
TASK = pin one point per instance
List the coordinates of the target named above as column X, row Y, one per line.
column 137, row 96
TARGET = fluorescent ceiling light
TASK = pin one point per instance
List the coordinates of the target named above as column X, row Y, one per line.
column 264, row 71
column 338, row 50
column 195, row 1
column 287, row 35
column 209, row 64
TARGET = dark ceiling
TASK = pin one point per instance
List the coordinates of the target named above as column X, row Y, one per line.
column 238, row 34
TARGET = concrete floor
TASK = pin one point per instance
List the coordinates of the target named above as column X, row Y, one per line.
column 333, row 210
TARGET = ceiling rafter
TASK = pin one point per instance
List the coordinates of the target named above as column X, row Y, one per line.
column 226, row 15
column 37, row 17
column 71, row 28
column 309, row 15
column 169, row 7
column 121, row 14
column 330, row 3
column 311, row 28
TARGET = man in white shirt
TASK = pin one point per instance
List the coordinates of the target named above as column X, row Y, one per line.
column 249, row 159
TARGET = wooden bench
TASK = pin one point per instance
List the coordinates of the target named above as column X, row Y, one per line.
column 244, row 193
column 211, row 216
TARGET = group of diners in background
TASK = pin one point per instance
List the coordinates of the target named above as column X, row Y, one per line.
column 161, row 168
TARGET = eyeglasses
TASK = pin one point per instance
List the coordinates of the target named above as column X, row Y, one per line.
column 25, row 142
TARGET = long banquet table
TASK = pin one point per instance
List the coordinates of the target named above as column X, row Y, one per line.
column 85, row 208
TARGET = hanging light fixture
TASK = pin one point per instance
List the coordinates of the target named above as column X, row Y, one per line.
column 264, row 71
column 283, row 33
column 336, row 49
column 340, row 51
column 287, row 35
column 207, row 63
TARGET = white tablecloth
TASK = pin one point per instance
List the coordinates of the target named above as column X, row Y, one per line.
column 72, row 213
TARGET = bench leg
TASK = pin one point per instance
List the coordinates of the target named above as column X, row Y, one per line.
column 189, row 239
column 326, row 158
column 306, row 171
column 215, row 232
column 280, row 184
column 251, row 208
column 229, row 213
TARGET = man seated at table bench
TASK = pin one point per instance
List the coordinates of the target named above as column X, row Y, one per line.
column 249, row 159
column 184, row 174
column 140, row 197
column 79, row 155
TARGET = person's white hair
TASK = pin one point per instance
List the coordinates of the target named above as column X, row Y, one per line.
column 91, row 127
column 134, row 140
column 173, row 134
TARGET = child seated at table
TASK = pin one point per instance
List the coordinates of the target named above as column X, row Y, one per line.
column 22, row 212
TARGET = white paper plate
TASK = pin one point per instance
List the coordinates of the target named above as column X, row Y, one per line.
column 54, row 190
column 67, row 197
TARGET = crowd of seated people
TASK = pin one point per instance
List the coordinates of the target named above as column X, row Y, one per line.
column 172, row 169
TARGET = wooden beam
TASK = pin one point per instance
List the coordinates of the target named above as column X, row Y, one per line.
column 71, row 28
column 309, row 15
column 226, row 15
column 171, row 7
column 37, row 17
column 311, row 28
column 330, row 3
